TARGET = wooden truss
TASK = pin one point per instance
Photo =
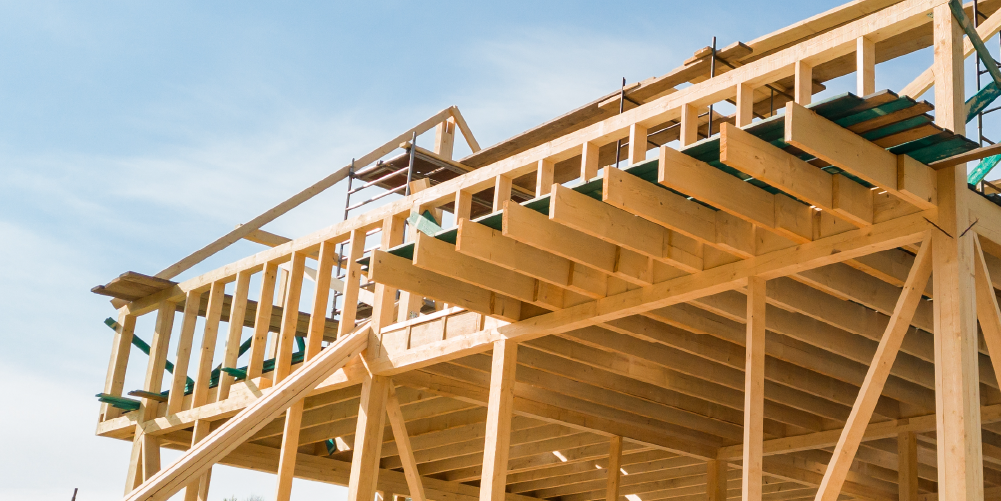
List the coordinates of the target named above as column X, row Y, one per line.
column 783, row 308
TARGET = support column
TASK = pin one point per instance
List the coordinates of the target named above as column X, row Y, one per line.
column 589, row 161
column 502, row 191
column 865, row 66
column 716, row 480
column 368, row 439
column 907, row 466
column 444, row 138
column 637, row 143
column 498, row 436
column 689, row 125
column 614, row 469
column 803, row 91
column 754, row 390
column 957, row 390
column 745, row 104
column 544, row 177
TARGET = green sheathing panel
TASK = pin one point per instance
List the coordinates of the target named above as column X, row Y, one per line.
column 981, row 100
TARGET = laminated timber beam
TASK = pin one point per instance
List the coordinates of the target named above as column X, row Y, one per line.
column 847, row 245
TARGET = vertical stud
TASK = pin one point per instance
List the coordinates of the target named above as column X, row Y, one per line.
column 803, row 91
column 637, row 143
column 262, row 321
column 589, row 161
column 865, row 66
column 689, row 125
column 745, row 104
column 544, row 177
column 502, row 191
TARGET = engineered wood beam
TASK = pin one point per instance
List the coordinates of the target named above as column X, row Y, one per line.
column 400, row 273
column 710, row 185
column 532, row 228
column 716, row 480
column 762, row 160
column 844, row 452
column 489, row 245
column 614, row 465
column 618, row 227
column 907, row 466
column 499, row 410
column 898, row 175
column 441, row 258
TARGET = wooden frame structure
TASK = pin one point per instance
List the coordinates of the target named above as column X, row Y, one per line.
column 784, row 306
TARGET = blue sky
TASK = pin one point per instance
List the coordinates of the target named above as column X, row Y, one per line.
column 132, row 133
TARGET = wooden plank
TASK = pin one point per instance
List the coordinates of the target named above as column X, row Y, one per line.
column 948, row 64
column 968, row 156
column 368, row 439
column 400, row 273
column 499, row 409
column 237, row 315
column 288, row 451
column 296, row 200
column 183, row 354
column 614, row 469
column 754, row 390
column 290, row 313
column 441, row 258
column 636, row 196
column 879, row 370
column 532, row 228
column 463, row 205
column 987, row 307
column 404, row 449
column 603, row 221
column 262, row 320
column 318, row 312
column 489, row 245
column 203, row 372
column 444, row 138
column 467, row 133
column 197, row 490
column 121, row 346
column 157, row 359
column 237, row 430
column 385, row 296
column 865, row 66
column 826, row 140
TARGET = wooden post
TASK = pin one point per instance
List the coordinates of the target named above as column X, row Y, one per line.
column 403, row 447
column 237, row 314
column 754, row 390
column 463, row 205
column 203, row 372
column 352, row 277
column 689, row 125
column 385, row 297
column 716, row 480
column 614, row 469
column 865, row 66
column 314, row 336
column 368, row 439
column 262, row 320
column 176, row 399
column 279, row 300
column 907, row 466
column 502, row 191
column 444, row 138
column 957, row 389
column 745, row 104
column 120, row 349
column 589, row 161
column 637, row 143
column 544, row 177
column 498, row 436
column 290, row 318
column 804, row 83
